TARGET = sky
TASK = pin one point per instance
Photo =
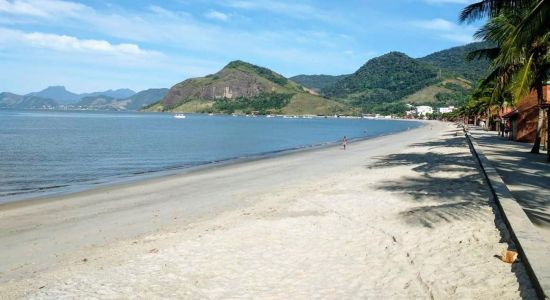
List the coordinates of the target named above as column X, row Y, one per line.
column 97, row 45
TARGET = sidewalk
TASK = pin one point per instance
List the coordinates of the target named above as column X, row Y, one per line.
column 519, row 183
column 525, row 174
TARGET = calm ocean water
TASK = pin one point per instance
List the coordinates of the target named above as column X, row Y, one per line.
column 50, row 152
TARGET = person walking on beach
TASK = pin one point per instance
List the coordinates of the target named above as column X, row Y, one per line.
column 344, row 142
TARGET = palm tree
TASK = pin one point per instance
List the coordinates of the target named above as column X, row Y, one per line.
column 520, row 29
column 535, row 22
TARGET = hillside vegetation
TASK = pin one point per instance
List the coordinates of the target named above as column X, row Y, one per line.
column 384, row 84
column 383, row 80
column 451, row 91
column 317, row 82
column 242, row 87
column 453, row 62
column 13, row 101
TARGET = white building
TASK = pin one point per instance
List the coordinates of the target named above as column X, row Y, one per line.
column 446, row 110
column 424, row 110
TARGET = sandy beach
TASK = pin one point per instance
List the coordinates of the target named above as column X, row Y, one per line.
column 400, row 216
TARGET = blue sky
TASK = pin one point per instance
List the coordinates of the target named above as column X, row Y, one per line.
column 98, row 45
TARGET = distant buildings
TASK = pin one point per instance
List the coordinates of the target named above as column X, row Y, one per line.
column 446, row 110
column 424, row 110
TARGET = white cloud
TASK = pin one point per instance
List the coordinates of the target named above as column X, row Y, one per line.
column 216, row 15
column 165, row 13
column 41, row 8
column 191, row 46
column 447, row 30
column 435, row 24
column 71, row 44
column 287, row 8
column 459, row 37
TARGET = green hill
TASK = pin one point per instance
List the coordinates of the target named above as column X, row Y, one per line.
column 245, row 88
column 317, row 82
column 10, row 100
column 144, row 98
column 451, row 91
column 384, row 80
column 382, row 85
column 453, row 62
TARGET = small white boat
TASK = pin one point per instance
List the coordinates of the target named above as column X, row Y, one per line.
column 179, row 116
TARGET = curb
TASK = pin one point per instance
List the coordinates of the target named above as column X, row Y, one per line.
column 532, row 248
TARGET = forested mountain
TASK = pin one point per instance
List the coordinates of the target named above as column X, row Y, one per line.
column 101, row 102
column 94, row 101
column 384, row 84
column 64, row 97
column 9, row 100
column 135, row 102
column 453, row 61
column 146, row 97
column 317, row 82
column 117, row 94
column 244, row 87
column 57, row 93
column 384, row 79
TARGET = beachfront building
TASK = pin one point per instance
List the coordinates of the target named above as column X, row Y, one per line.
column 523, row 118
column 424, row 110
column 446, row 110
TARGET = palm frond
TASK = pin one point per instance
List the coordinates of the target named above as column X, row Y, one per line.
column 487, row 53
column 491, row 8
column 535, row 23
column 522, row 81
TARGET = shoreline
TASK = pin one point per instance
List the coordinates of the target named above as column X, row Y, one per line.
column 375, row 221
column 130, row 179
column 75, row 214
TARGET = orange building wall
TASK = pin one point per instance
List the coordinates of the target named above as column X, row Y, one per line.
column 526, row 120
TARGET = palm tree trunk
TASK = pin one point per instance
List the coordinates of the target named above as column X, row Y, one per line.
column 536, row 146
column 500, row 129
column 487, row 119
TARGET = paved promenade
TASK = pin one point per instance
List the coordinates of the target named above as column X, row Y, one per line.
column 519, row 181
column 526, row 175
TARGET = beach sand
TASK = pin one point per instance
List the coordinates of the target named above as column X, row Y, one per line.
column 400, row 216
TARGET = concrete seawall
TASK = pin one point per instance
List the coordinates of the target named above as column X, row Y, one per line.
column 533, row 249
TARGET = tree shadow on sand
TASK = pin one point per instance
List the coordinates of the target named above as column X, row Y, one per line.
column 457, row 194
column 448, row 187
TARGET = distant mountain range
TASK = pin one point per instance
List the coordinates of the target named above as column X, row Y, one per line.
column 383, row 85
column 59, row 93
column 58, row 97
column 10, row 100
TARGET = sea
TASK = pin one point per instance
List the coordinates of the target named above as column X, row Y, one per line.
column 55, row 152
